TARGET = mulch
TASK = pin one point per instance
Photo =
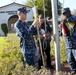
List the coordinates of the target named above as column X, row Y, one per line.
column 64, row 66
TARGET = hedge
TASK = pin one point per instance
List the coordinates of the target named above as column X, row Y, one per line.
column 4, row 28
column 11, row 59
column 30, row 22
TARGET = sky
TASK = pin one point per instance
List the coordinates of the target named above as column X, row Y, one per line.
column 67, row 3
column 5, row 2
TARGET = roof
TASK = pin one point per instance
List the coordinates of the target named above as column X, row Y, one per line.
column 15, row 3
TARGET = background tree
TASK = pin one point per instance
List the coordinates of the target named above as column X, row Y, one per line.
column 48, row 10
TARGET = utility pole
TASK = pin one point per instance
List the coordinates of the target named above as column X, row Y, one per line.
column 56, row 34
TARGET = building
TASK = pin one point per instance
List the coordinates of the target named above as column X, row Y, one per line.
column 8, row 15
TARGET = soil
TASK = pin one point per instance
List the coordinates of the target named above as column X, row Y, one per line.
column 64, row 66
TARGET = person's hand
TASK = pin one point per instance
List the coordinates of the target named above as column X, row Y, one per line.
column 36, row 23
column 48, row 37
column 65, row 20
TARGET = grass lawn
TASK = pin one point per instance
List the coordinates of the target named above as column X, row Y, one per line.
column 2, row 42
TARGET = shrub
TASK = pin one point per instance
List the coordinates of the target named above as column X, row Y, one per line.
column 62, row 50
column 30, row 22
column 11, row 60
column 4, row 28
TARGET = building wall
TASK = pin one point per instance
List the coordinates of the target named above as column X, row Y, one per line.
column 7, row 11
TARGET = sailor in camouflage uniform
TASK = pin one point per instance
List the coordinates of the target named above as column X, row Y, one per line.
column 70, row 38
column 25, row 32
column 45, row 42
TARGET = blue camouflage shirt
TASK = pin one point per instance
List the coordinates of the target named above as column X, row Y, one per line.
column 71, row 37
column 25, row 32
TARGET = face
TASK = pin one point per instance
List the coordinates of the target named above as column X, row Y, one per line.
column 22, row 16
column 67, row 14
column 41, row 20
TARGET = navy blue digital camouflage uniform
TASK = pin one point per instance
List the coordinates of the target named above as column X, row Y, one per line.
column 25, row 32
column 70, row 41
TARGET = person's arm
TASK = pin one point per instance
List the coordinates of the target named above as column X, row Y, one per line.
column 19, row 31
column 71, row 19
column 33, row 30
column 33, row 27
column 50, row 29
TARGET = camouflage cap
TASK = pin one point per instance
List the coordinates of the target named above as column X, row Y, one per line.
column 66, row 10
column 23, row 10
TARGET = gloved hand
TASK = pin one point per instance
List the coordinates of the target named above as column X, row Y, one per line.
column 36, row 23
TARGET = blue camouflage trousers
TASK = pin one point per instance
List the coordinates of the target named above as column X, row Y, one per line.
column 71, row 58
column 29, row 56
column 70, row 53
